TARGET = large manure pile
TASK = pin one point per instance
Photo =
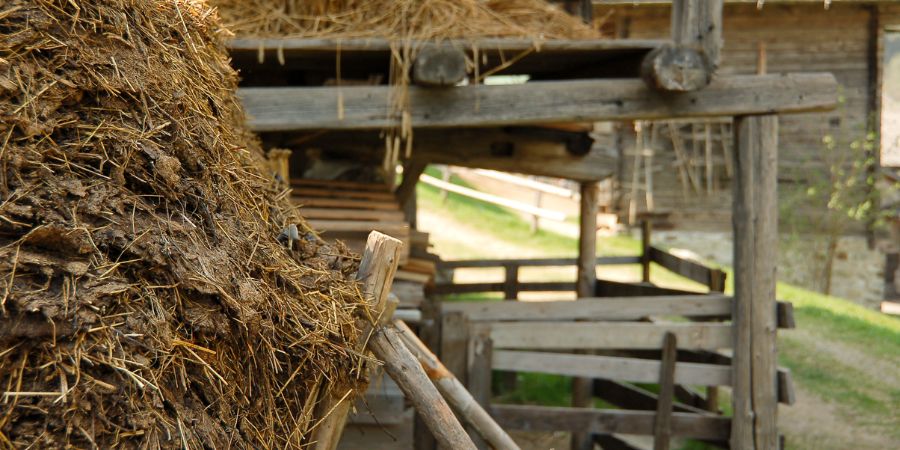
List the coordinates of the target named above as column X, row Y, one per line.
column 146, row 298
column 401, row 19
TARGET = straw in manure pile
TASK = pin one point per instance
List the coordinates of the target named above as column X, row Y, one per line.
column 146, row 300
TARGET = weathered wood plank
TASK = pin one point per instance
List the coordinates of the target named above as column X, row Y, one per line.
column 392, row 228
column 384, row 45
column 585, row 285
column 636, row 370
column 608, row 288
column 596, row 308
column 599, row 335
column 755, row 250
column 686, row 268
column 601, row 260
column 346, row 203
column 315, row 108
column 546, row 418
column 662, row 423
column 351, row 214
column 529, row 286
column 341, row 193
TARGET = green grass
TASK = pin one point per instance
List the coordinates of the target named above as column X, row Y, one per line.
column 861, row 397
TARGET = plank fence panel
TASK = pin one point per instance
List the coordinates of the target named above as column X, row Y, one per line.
column 596, row 308
column 599, row 335
column 605, row 421
column 635, row 370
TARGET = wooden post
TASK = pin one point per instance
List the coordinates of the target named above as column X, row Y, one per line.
column 439, row 65
column 646, row 227
column 376, row 273
column 662, row 425
column 430, row 333
column 755, row 218
column 454, row 336
column 405, row 369
column 511, row 283
column 691, row 60
column 585, row 286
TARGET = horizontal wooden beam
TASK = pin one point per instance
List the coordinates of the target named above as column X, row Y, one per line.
column 635, row 370
column 612, row 335
column 612, row 308
column 686, row 268
column 528, row 286
column 484, row 263
column 485, row 44
column 351, row 214
column 365, row 107
column 546, row 418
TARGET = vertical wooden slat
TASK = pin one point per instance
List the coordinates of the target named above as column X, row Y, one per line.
column 697, row 24
column 480, row 354
column 454, row 337
column 585, row 286
column 755, row 252
column 511, row 284
column 430, row 333
column 662, row 425
column 645, row 250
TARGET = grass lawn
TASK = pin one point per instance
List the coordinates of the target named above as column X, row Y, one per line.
column 844, row 358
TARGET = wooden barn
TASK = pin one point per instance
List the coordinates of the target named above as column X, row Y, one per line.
column 857, row 41
column 324, row 107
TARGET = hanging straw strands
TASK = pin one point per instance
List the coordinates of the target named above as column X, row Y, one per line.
column 408, row 24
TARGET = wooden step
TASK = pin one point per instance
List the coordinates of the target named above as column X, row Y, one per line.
column 324, row 192
column 346, row 203
column 351, row 214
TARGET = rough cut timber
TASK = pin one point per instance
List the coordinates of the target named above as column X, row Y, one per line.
column 691, row 60
column 316, row 108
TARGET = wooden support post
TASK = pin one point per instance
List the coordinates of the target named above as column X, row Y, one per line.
column 585, row 286
column 511, row 283
column 405, row 369
column 690, row 62
column 454, row 336
column 662, row 425
column 411, row 172
column 471, row 406
column 646, row 227
column 755, row 220
column 376, row 273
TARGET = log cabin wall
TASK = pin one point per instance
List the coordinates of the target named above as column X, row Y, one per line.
column 795, row 38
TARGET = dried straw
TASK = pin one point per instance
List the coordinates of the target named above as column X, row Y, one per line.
column 401, row 19
column 145, row 300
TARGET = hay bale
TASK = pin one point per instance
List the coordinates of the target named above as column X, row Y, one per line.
column 145, row 300
column 401, row 19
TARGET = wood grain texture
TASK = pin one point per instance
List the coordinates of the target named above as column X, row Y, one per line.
column 600, row 335
column 635, row 370
column 547, row 418
column 596, row 308
column 315, row 108
column 662, row 423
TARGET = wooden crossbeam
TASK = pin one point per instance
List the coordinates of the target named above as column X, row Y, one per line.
column 612, row 308
column 316, row 108
column 599, row 335
column 635, row 370
column 547, row 418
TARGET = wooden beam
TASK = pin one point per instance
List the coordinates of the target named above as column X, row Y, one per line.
column 319, row 202
column 601, row 260
column 439, row 65
column 686, row 268
column 600, row 335
column 596, row 308
column 350, row 214
column 755, row 221
column 629, row 396
column 316, row 108
column 411, row 172
column 635, row 370
column 384, row 45
column 547, row 418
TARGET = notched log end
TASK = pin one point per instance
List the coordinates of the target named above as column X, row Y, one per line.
column 677, row 69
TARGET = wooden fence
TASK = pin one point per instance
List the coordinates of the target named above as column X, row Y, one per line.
column 616, row 339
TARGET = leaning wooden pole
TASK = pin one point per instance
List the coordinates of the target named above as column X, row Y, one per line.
column 585, row 286
column 406, row 371
column 755, row 217
column 376, row 273
column 450, row 387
